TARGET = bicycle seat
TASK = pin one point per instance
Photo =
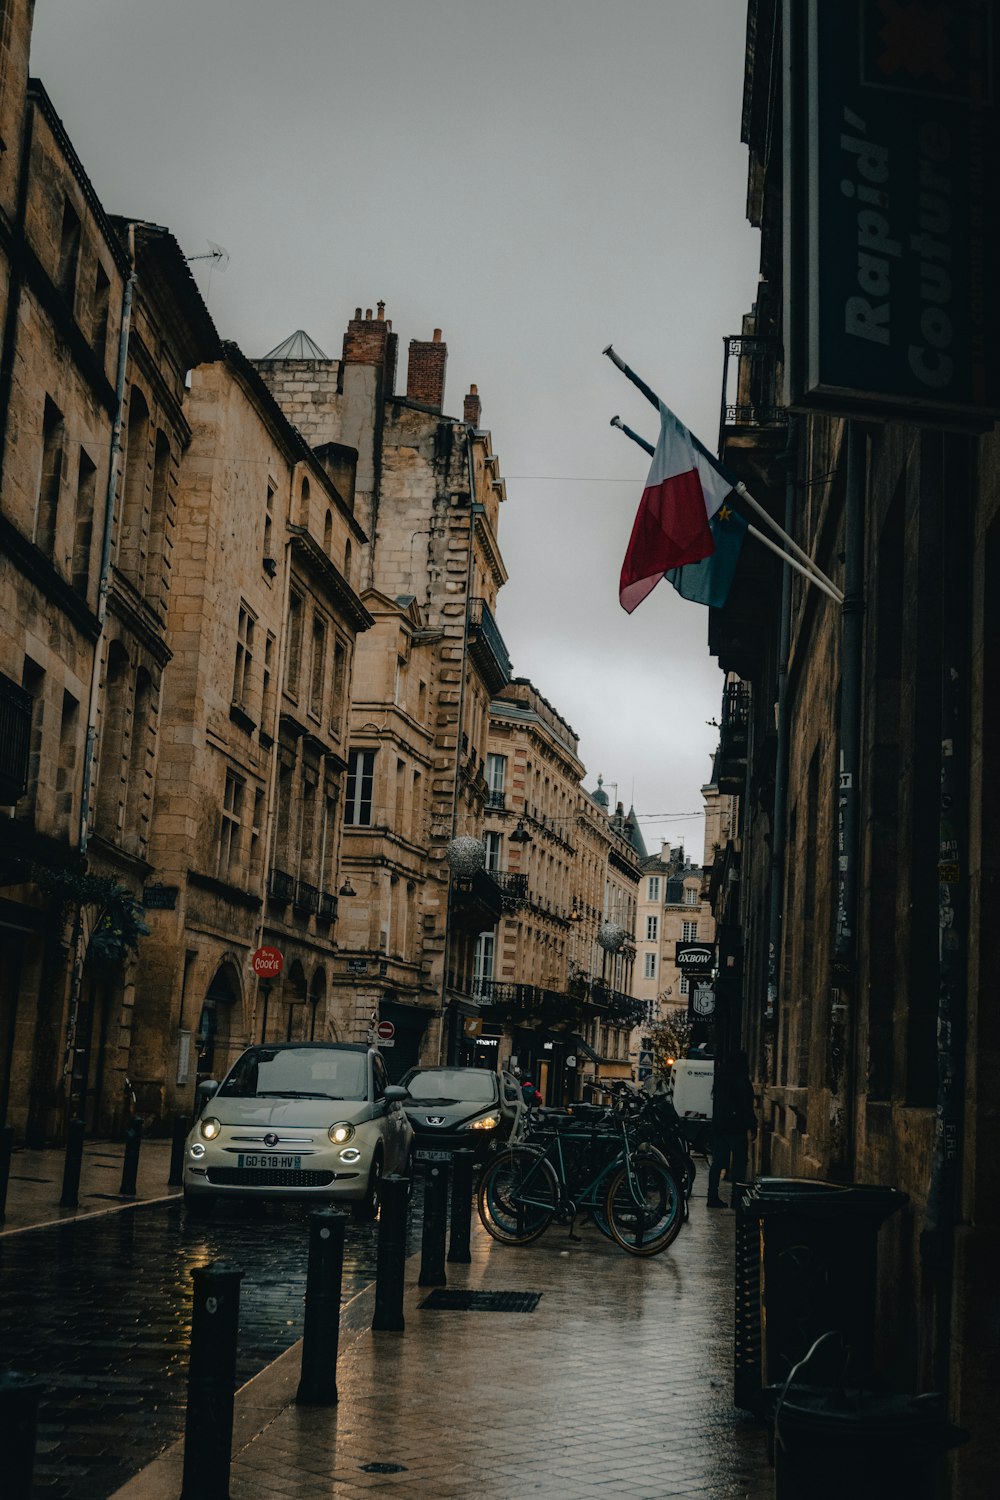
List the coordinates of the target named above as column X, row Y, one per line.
column 588, row 1113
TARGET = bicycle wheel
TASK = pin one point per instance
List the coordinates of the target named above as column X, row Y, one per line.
column 517, row 1196
column 645, row 1207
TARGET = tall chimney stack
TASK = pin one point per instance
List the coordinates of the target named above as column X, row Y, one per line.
column 425, row 371
column 473, row 407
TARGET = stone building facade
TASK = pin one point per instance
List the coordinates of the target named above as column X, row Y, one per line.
column 262, row 626
column 673, row 907
column 857, row 893
column 428, row 492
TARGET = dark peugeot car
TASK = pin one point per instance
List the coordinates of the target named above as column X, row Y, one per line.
column 459, row 1108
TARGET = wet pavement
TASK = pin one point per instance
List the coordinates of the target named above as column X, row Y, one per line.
column 617, row 1384
column 100, row 1310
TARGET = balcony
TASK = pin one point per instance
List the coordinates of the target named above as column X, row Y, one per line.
column 15, row 740
column 496, row 800
column 281, row 886
column 617, row 1008
column 513, row 886
column 327, row 911
column 477, row 901
column 306, row 899
column 505, row 1000
column 734, row 739
column 750, row 394
column 486, row 646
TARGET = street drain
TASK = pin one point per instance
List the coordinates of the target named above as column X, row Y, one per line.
column 463, row 1301
column 383, row 1468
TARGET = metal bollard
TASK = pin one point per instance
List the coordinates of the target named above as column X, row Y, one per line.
column 71, row 1168
column 432, row 1271
column 19, row 1398
column 130, row 1164
column 321, row 1335
column 6, row 1147
column 176, row 1177
column 208, row 1432
column 390, row 1264
column 459, row 1246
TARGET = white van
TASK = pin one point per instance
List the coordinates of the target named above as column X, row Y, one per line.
column 692, row 1081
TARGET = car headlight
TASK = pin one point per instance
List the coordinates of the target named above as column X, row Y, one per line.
column 485, row 1122
column 351, row 1155
column 209, row 1128
column 341, row 1133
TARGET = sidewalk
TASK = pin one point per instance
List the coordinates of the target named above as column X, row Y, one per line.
column 36, row 1177
column 618, row 1384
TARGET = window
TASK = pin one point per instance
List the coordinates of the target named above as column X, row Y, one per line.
column 294, row 643
column 493, row 842
column 653, row 890
column 47, row 512
column 99, row 313
column 158, row 520
column 339, row 678
column 347, row 561
column 256, row 830
column 482, row 963
column 496, row 777
column 232, row 825
column 689, row 932
column 328, row 533
column 684, row 986
column 244, row 657
column 690, row 896
column 317, row 667
column 649, row 966
column 130, row 534
column 652, row 929
column 69, row 251
column 269, row 532
column 86, row 495
column 267, row 700
column 360, row 781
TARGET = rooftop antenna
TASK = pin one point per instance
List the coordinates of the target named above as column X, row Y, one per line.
column 215, row 253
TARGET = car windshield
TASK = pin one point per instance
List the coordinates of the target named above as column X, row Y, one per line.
column 298, row 1073
column 472, row 1085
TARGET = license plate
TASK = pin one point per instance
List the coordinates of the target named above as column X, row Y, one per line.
column 259, row 1159
column 420, row 1155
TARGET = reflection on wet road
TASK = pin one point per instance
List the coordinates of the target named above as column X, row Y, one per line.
column 101, row 1311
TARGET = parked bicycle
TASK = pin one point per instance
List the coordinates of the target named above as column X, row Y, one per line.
column 587, row 1159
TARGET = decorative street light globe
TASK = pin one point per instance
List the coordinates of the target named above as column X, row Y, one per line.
column 466, row 855
column 611, row 936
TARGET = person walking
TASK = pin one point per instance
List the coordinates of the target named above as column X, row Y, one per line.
column 734, row 1114
column 532, row 1098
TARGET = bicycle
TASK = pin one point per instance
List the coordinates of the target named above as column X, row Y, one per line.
column 529, row 1184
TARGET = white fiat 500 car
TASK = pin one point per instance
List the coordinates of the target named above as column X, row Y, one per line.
column 304, row 1120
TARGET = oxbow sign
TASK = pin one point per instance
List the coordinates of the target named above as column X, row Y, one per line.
column 267, row 963
column 695, row 958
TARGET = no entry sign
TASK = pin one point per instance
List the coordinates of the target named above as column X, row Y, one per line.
column 268, row 962
column 385, row 1031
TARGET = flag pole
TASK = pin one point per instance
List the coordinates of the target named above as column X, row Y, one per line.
column 819, row 579
column 813, row 568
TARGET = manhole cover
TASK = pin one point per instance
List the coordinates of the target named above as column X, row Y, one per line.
column 462, row 1301
column 383, row 1468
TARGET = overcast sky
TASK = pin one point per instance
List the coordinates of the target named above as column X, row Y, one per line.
column 537, row 178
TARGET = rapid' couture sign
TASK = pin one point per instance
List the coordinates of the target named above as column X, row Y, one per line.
column 890, row 129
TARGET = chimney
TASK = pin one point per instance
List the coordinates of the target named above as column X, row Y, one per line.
column 366, row 339
column 425, row 371
column 473, row 407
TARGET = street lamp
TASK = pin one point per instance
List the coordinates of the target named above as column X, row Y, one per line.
column 465, row 855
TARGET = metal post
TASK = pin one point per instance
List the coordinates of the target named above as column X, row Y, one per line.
column 176, row 1177
column 6, row 1147
column 321, row 1335
column 208, row 1433
column 130, row 1164
column 19, row 1398
column 71, row 1168
column 432, row 1271
column 459, row 1246
column 390, row 1265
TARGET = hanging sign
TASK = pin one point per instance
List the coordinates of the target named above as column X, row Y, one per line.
column 267, row 963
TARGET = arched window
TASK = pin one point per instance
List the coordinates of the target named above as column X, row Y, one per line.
column 304, row 503
column 328, row 533
column 347, row 560
column 131, row 540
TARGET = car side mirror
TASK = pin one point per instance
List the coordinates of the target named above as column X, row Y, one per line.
column 205, row 1091
column 395, row 1094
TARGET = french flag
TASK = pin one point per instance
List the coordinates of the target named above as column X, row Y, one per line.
column 685, row 489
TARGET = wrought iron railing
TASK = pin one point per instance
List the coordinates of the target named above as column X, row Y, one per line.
column 750, row 395
column 281, row 885
column 514, row 886
column 306, row 897
column 327, row 906
column 497, row 800
column 15, row 740
column 485, row 634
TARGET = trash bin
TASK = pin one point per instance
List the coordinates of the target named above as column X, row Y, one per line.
column 832, row 1440
column 811, row 1248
